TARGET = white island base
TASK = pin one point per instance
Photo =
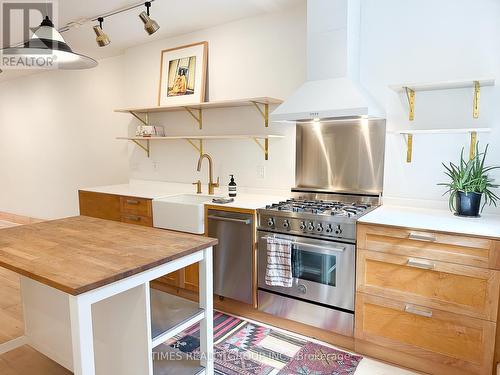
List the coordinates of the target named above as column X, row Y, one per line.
column 120, row 328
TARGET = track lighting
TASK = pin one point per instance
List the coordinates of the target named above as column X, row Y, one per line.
column 151, row 26
column 102, row 38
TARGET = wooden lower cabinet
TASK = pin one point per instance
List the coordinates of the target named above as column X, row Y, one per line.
column 454, row 340
column 427, row 301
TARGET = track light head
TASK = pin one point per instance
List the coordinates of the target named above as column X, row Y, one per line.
column 150, row 25
column 102, row 38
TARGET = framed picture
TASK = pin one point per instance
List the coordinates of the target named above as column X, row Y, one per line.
column 183, row 73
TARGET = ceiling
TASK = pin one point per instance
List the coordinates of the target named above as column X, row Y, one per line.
column 175, row 17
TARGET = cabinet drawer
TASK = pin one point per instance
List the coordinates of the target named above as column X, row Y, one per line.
column 450, row 339
column 136, row 206
column 136, row 219
column 479, row 252
column 451, row 287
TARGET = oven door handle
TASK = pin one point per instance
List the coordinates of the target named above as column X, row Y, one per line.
column 310, row 246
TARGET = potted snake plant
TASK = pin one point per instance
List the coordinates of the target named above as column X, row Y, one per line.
column 470, row 181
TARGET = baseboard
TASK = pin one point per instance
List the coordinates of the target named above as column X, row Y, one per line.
column 18, row 219
column 13, row 344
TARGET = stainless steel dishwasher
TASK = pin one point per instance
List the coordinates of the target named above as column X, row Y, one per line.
column 233, row 256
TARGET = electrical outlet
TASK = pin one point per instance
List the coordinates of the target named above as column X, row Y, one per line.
column 261, row 172
column 156, row 166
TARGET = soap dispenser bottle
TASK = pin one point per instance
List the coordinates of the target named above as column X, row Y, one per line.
column 232, row 187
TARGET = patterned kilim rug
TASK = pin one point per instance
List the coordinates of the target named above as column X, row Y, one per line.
column 244, row 348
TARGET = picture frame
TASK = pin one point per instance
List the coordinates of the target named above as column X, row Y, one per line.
column 183, row 74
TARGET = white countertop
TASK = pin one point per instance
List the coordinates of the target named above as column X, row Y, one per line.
column 144, row 189
column 245, row 199
column 488, row 225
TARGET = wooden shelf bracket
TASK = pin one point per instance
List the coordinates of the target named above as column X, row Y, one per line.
column 410, row 96
column 198, row 117
column 144, row 120
column 477, row 96
column 198, row 147
column 264, row 147
column 146, row 148
column 264, row 112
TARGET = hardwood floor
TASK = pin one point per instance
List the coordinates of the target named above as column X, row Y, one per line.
column 11, row 312
column 27, row 361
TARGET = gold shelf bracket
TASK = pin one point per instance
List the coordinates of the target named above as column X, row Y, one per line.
column 410, row 95
column 144, row 120
column 477, row 96
column 146, row 148
column 264, row 147
column 198, row 147
column 473, row 143
column 198, row 117
column 264, row 112
column 409, row 146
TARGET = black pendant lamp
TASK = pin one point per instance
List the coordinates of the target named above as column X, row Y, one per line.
column 47, row 49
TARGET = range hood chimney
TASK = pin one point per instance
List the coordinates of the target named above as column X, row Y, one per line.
column 332, row 90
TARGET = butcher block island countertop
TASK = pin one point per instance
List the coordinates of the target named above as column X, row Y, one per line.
column 85, row 286
column 80, row 253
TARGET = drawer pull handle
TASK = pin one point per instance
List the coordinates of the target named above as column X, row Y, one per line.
column 413, row 310
column 422, row 237
column 134, row 218
column 132, row 201
column 420, row 264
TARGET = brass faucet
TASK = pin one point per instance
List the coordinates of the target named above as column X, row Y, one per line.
column 211, row 183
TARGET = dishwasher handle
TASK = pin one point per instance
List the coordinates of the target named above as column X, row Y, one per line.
column 222, row 218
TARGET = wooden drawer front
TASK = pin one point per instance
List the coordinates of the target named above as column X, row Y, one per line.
column 136, row 206
column 100, row 205
column 437, row 246
column 447, row 338
column 451, row 287
column 138, row 220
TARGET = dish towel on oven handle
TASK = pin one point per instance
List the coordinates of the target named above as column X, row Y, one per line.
column 279, row 262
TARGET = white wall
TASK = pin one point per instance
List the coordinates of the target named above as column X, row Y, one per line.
column 428, row 40
column 57, row 134
column 261, row 56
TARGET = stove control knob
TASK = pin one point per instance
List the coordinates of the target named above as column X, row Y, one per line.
column 270, row 222
column 310, row 227
column 286, row 224
column 302, row 225
column 338, row 230
column 328, row 229
column 319, row 228
column 302, row 289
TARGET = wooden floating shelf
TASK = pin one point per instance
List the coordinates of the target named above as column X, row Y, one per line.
column 443, row 131
column 443, row 85
column 206, row 105
column 410, row 89
column 195, row 110
column 200, row 138
column 408, row 137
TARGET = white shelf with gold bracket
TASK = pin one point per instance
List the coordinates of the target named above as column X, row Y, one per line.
column 197, row 140
column 195, row 110
column 410, row 133
column 410, row 90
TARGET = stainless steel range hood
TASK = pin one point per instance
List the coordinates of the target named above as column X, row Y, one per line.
column 332, row 89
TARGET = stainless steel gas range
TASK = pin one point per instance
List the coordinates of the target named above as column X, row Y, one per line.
column 323, row 234
column 320, row 221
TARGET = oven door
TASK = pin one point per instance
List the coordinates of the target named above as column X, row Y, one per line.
column 323, row 271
